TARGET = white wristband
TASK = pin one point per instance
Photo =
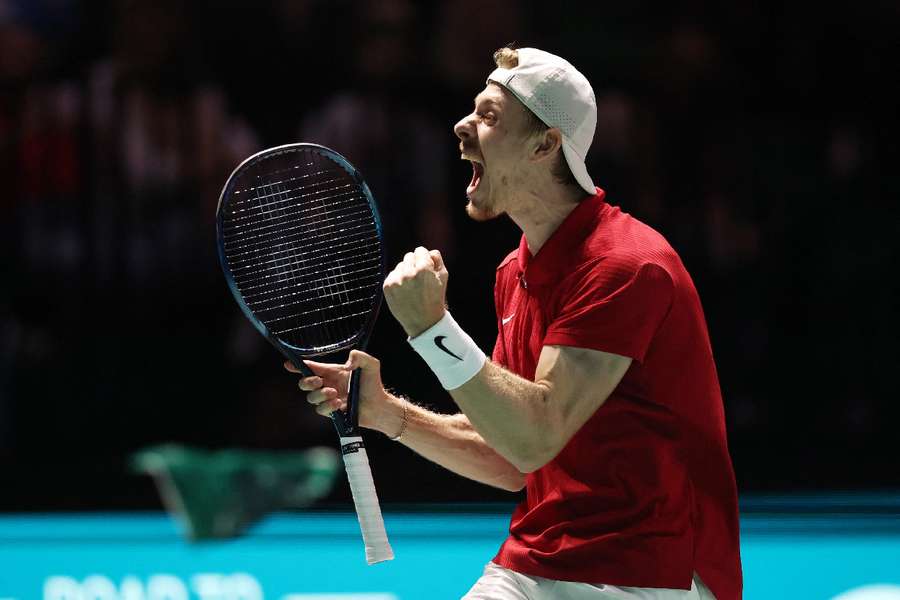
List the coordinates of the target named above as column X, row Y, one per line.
column 449, row 351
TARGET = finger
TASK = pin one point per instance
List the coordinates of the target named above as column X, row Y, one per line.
column 393, row 280
column 391, row 277
column 290, row 367
column 308, row 384
column 321, row 395
column 437, row 259
column 326, row 408
column 423, row 259
column 409, row 259
column 409, row 271
column 402, row 270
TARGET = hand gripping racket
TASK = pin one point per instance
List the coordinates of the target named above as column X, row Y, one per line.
column 300, row 244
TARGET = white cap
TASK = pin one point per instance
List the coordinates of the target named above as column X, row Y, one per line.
column 561, row 97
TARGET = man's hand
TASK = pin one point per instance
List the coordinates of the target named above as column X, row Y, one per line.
column 416, row 290
column 327, row 389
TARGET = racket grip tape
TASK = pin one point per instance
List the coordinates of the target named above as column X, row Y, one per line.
column 371, row 523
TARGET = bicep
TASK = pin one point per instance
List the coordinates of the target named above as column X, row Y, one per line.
column 577, row 381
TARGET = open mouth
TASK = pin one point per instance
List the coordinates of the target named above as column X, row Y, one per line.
column 477, row 172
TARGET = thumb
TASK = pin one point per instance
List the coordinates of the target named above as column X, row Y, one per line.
column 360, row 360
column 439, row 266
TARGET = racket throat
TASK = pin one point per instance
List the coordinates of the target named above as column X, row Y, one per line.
column 342, row 424
column 347, row 422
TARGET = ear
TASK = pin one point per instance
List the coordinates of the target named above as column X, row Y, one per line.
column 547, row 145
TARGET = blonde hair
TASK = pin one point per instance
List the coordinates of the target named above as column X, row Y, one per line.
column 508, row 58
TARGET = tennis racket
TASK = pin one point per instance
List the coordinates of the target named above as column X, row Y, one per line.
column 300, row 244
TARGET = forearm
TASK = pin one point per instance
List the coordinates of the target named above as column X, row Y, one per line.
column 527, row 423
column 510, row 413
column 450, row 441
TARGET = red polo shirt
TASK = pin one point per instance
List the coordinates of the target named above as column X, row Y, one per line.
column 644, row 493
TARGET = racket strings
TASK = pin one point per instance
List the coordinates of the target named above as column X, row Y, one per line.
column 331, row 193
column 368, row 258
column 326, row 322
column 311, row 173
column 305, row 253
column 283, row 267
column 340, row 277
column 253, row 230
column 340, row 294
column 286, row 241
column 294, row 260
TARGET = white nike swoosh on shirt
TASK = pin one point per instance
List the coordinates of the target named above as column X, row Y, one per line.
column 506, row 320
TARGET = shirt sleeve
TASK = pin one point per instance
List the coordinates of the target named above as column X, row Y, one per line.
column 614, row 311
column 498, row 356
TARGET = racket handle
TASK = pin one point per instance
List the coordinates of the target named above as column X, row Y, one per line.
column 365, row 499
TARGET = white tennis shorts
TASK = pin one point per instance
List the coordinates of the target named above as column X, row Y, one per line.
column 498, row 583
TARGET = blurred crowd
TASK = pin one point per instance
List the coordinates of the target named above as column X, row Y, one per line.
column 758, row 137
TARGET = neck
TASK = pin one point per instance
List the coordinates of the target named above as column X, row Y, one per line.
column 539, row 214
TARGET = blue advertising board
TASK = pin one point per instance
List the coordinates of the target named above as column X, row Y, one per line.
column 319, row 556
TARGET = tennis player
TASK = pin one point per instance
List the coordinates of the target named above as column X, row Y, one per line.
column 601, row 397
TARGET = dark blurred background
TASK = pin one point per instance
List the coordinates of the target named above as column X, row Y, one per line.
column 758, row 137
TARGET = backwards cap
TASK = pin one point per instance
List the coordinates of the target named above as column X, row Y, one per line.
column 561, row 97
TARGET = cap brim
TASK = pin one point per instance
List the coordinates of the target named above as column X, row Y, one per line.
column 578, row 168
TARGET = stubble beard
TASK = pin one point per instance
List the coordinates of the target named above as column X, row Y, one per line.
column 481, row 213
column 483, row 207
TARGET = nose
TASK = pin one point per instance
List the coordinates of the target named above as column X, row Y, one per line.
column 464, row 128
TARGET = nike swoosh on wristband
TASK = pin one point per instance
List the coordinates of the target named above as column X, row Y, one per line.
column 506, row 320
column 439, row 342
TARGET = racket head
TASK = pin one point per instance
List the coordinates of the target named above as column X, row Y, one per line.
column 300, row 243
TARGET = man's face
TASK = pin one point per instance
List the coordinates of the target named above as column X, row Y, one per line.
column 495, row 139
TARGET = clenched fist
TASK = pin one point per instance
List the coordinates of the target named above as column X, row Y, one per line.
column 416, row 290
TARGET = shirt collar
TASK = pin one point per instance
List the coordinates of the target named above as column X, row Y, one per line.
column 547, row 265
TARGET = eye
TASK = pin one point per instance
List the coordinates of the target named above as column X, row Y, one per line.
column 489, row 118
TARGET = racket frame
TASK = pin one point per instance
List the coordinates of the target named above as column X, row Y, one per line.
column 346, row 423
